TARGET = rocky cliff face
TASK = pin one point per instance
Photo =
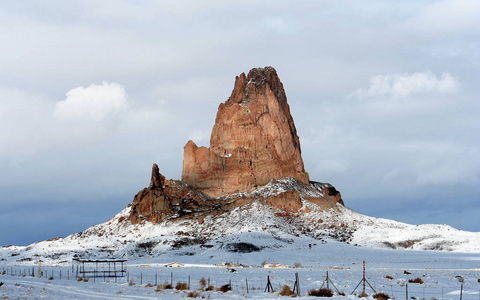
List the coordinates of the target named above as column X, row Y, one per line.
column 253, row 140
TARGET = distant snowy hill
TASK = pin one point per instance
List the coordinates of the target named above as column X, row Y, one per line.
column 249, row 228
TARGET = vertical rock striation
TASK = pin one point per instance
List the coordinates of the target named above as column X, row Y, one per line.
column 253, row 140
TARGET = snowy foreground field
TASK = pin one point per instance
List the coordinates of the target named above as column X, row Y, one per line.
column 439, row 272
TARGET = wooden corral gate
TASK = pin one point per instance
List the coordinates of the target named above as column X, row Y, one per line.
column 99, row 267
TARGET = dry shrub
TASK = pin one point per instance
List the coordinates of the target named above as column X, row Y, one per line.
column 416, row 280
column 389, row 277
column 321, row 293
column 167, row 286
column 225, row 288
column 342, row 294
column 193, row 294
column 131, row 282
column 181, row 286
column 210, row 288
column 4, row 272
column 79, row 279
column 158, row 288
column 202, row 283
column 286, row 291
column 381, row 296
column 50, row 278
column 85, row 279
column 363, row 295
column 297, row 265
column 149, row 285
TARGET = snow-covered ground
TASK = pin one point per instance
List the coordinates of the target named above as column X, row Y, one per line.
column 438, row 270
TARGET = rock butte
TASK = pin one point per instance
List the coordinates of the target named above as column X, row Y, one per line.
column 253, row 140
column 254, row 155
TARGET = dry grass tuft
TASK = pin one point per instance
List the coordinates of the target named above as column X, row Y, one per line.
column 193, row 294
column 416, row 280
column 362, row 295
column 181, row 286
column 131, row 282
column 167, row 286
column 202, row 283
column 321, row 293
column 149, row 285
column 389, row 277
column 225, row 288
column 286, row 291
column 50, row 278
column 381, row 296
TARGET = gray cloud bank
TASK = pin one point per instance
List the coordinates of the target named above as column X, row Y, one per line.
column 384, row 95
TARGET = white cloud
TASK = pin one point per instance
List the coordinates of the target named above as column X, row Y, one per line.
column 405, row 85
column 95, row 103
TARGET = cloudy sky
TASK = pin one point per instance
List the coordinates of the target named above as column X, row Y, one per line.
column 92, row 93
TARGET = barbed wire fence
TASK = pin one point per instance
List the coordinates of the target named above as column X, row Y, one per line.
column 247, row 285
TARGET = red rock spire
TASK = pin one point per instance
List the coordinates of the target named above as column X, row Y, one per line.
column 253, row 140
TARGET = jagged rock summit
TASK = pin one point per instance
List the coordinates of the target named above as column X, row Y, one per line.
column 254, row 156
column 253, row 140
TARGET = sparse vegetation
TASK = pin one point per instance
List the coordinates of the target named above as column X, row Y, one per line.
column 210, row 288
column 297, row 265
column 416, row 280
column 242, row 247
column 167, row 286
column 321, row 292
column 225, row 288
column 202, row 283
column 193, row 294
column 181, row 286
column 50, row 278
column 381, row 296
column 131, row 282
column 149, row 285
column 389, row 277
column 362, row 295
column 286, row 291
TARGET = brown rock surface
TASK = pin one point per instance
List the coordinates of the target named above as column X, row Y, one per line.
column 253, row 140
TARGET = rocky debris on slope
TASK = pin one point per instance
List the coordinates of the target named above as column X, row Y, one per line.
column 175, row 200
column 253, row 140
